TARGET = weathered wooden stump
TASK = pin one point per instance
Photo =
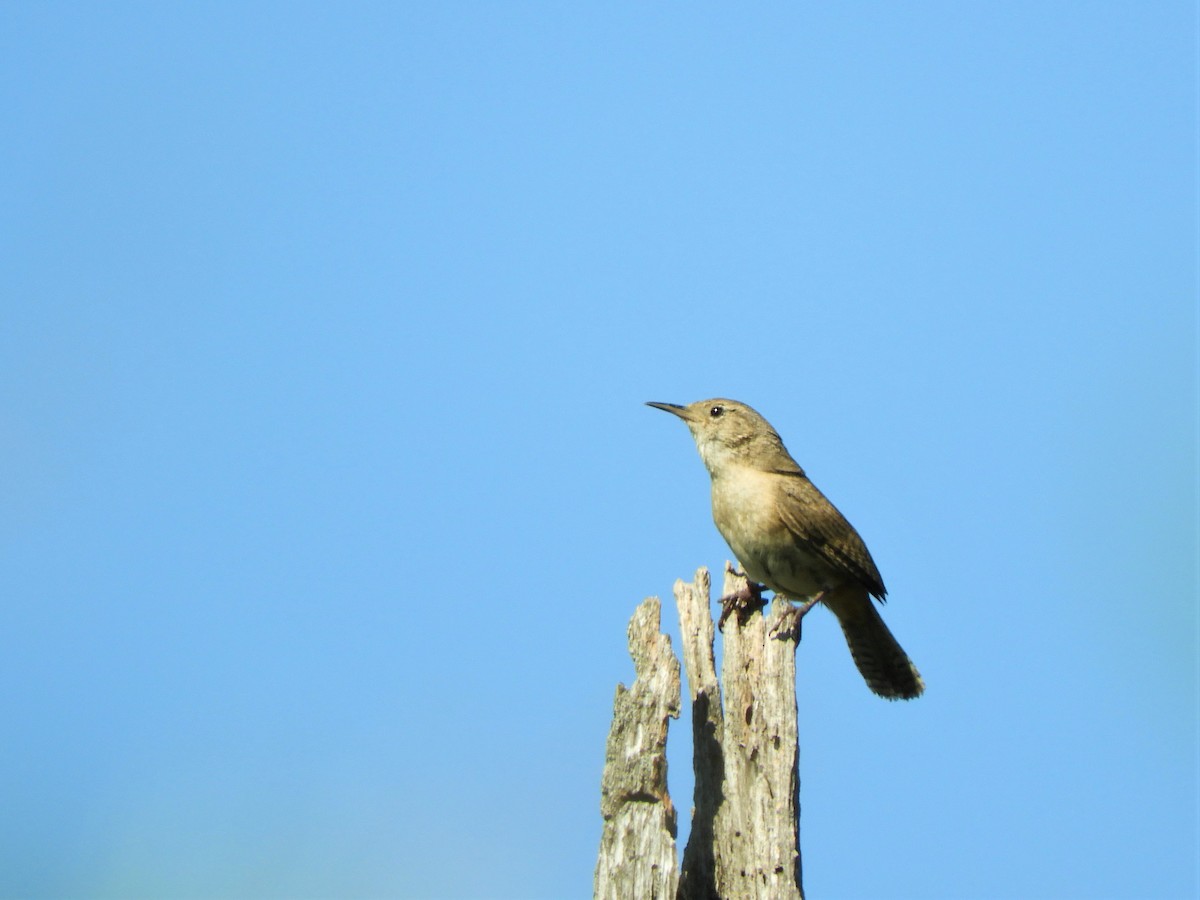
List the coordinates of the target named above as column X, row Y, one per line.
column 744, row 840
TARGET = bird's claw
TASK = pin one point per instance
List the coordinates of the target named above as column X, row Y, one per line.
column 787, row 625
column 743, row 601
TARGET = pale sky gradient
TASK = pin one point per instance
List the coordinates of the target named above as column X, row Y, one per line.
column 329, row 490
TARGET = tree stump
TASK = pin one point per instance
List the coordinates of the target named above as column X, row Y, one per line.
column 744, row 840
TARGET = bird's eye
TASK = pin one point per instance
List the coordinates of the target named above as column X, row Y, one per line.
column 716, row 411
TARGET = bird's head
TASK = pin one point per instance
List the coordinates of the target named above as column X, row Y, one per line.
column 729, row 433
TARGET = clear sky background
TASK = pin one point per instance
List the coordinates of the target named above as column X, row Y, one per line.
column 328, row 490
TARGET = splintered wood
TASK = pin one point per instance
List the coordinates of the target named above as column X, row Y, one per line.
column 637, row 847
column 744, row 840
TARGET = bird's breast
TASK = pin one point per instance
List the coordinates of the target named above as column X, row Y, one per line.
column 746, row 513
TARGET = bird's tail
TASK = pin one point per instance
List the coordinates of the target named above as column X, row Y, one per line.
column 880, row 658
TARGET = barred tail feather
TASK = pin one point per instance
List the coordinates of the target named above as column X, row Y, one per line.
column 882, row 661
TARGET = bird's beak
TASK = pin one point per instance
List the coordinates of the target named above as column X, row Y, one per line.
column 673, row 408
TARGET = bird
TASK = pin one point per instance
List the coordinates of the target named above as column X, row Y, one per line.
column 789, row 538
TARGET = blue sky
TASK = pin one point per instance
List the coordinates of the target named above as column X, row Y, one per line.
column 329, row 492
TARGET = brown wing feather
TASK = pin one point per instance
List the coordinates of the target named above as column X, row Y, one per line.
column 817, row 524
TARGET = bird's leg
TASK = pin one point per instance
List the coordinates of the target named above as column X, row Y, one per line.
column 744, row 600
column 788, row 624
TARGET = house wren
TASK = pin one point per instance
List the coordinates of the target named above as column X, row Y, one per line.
column 787, row 536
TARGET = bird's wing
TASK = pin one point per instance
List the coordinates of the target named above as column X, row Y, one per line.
column 816, row 523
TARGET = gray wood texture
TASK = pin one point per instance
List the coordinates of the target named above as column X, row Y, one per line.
column 744, row 841
column 637, row 845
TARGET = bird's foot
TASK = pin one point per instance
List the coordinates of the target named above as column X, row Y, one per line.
column 787, row 625
column 743, row 601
